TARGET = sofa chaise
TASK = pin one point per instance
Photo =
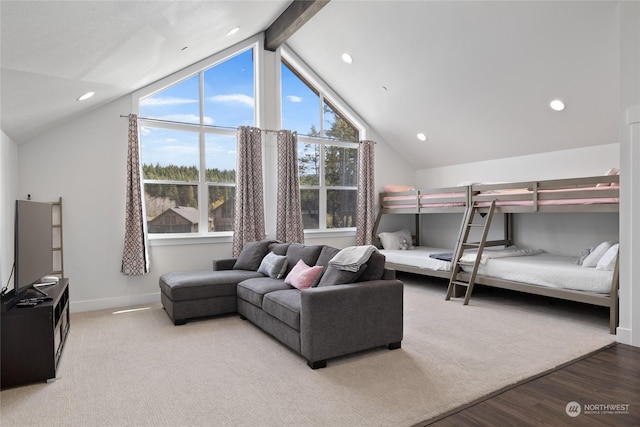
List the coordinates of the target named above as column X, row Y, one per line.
column 292, row 292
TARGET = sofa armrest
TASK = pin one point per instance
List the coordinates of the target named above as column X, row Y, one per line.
column 224, row 264
column 342, row 319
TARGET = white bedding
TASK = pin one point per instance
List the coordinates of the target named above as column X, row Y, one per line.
column 469, row 257
column 549, row 270
column 418, row 257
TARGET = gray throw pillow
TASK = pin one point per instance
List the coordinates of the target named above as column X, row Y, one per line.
column 251, row 255
column 273, row 265
column 375, row 268
column 333, row 276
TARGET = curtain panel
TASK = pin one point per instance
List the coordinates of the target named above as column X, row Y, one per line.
column 249, row 204
column 135, row 256
column 289, row 227
column 365, row 208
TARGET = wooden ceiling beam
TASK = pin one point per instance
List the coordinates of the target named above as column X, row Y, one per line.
column 293, row 17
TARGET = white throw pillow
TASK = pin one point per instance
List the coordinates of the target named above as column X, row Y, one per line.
column 608, row 260
column 391, row 240
column 592, row 259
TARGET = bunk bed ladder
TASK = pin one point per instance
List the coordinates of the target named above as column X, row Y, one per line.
column 464, row 244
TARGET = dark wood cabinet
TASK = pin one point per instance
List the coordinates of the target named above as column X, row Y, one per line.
column 33, row 338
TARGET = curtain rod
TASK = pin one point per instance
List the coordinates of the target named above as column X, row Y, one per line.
column 232, row 128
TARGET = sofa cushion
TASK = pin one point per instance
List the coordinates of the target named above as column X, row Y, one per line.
column 303, row 276
column 298, row 251
column 199, row 284
column 326, row 254
column 334, row 276
column 253, row 290
column 273, row 265
column 284, row 306
column 375, row 268
column 251, row 255
column 279, row 248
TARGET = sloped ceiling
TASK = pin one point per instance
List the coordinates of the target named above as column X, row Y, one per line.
column 475, row 77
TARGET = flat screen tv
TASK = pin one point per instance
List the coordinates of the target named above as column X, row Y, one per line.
column 33, row 244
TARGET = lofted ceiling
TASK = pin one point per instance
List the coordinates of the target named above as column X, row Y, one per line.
column 475, row 77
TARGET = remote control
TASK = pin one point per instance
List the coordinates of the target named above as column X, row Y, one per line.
column 26, row 304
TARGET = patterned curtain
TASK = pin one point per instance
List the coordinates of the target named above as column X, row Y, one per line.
column 365, row 215
column 135, row 257
column 249, row 206
column 289, row 226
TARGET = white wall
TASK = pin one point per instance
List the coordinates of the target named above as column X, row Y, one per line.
column 629, row 328
column 8, row 196
column 84, row 161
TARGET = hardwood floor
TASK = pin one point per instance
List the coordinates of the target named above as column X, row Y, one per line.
column 601, row 389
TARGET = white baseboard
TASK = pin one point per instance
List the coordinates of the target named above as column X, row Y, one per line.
column 623, row 335
column 118, row 302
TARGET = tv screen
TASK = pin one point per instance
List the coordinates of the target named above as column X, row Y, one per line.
column 33, row 243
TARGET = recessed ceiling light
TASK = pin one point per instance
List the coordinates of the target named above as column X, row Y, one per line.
column 556, row 105
column 347, row 58
column 184, row 48
column 233, row 31
column 86, row 96
column 422, row 137
column 384, row 88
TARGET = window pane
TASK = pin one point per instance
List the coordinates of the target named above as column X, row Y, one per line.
column 169, row 154
column 220, row 152
column 337, row 127
column 310, row 204
column 300, row 104
column 229, row 93
column 171, row 208
column 340, row 166
column 221, row 207
column 341, row 208
column 309, row 163
column 177, row 103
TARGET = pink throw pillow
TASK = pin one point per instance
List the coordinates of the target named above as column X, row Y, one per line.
column 302, row 276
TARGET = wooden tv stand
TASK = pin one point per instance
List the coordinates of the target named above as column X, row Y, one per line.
column 33, row 338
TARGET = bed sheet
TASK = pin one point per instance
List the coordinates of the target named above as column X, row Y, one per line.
column 545, row 269
column 418, row 257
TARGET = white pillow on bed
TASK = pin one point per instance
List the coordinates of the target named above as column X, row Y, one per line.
column 391, row 240
column 592, row 259
column 608, row 260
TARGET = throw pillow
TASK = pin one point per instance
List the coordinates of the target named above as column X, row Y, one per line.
column 335, row 276
column 302, row 276
column 251, row 255
column 592, row 259
column 375, row 268
column 273, row 265
column 392, row 240
column 608, row 260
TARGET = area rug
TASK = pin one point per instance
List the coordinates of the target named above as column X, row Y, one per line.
column 136, row 368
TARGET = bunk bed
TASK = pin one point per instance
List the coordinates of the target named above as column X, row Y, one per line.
column 537, row 273
column 418, row 202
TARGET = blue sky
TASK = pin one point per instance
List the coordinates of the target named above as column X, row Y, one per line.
column 229, row 102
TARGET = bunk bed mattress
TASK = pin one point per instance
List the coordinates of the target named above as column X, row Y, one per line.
column 425, row 201
column 418, row 257
column 545, row 269
column 548, row 202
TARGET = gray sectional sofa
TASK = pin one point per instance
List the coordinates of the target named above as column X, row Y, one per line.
column 341, row 313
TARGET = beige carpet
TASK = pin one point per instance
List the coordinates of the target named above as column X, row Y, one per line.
column 137, row 369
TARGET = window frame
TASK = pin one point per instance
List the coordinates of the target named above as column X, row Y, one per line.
column 325, row 95
column 202, row 130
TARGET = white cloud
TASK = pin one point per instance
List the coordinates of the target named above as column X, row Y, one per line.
column 234, row 98
column 293, row 98
column 167, row 101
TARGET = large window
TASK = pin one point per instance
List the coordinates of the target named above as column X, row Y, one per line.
column 327, row 153
column 188, row 147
